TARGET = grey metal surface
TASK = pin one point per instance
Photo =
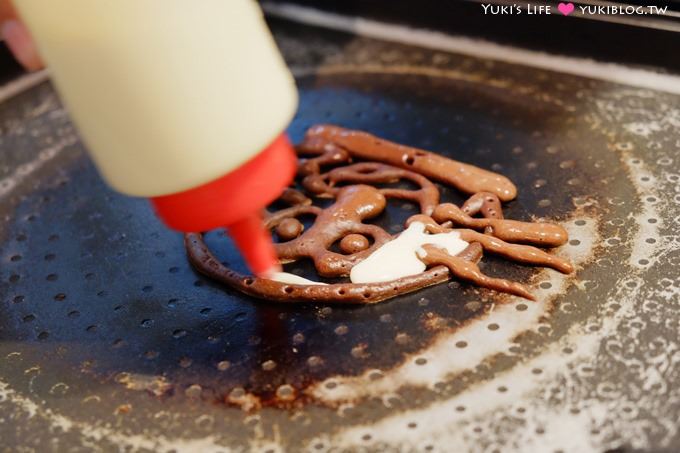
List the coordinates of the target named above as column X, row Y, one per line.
column 110, row 341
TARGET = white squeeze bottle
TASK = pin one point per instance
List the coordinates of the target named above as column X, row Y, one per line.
column 181, row 101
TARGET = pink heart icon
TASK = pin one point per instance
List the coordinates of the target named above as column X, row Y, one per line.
column 566, row 8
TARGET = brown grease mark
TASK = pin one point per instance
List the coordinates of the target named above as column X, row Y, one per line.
column 464, row 177
column 155, row 385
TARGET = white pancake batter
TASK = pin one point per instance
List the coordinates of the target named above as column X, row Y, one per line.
column 399, row 257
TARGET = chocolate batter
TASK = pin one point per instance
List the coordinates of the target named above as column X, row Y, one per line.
column 330, row 141
column 339, row 238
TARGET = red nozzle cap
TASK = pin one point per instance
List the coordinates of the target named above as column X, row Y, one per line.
column 255, row 243
column 236, row 201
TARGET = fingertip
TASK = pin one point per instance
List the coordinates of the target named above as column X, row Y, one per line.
column 20, row 43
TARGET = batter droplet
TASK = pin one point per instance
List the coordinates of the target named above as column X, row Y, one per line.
column 353, row 243
column 289, row 229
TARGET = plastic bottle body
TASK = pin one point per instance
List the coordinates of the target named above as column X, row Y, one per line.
column 166, row 94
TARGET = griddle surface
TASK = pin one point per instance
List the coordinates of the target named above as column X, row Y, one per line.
column 110, row 339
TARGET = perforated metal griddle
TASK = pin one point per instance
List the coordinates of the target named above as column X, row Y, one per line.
column 110, row 341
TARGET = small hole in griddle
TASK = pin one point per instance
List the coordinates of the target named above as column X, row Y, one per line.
column 546, row 285
column 59, row 297
column 461, row 344
column 185, row 362
column 179, row 333
column 199, row 283
column 150, row 355
column 18, row 299
column 43, row 335
column 375, row 375
column 146, row 323
column 521, row 307
column 89, row 276
column 502, row 389
column 650, row 240
column 147, row 289
column 14, row 278
column 652, row 220
column 580, row 222
column 28, row 318
column 50, row 257
column 173, row 270
column 21, row 237
column 341, row 330
column 314, row 361
column 421, row 361
column 52, row 277
column 205, row 311
column 53, row 237
column 91, row 329
column 15, row 258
